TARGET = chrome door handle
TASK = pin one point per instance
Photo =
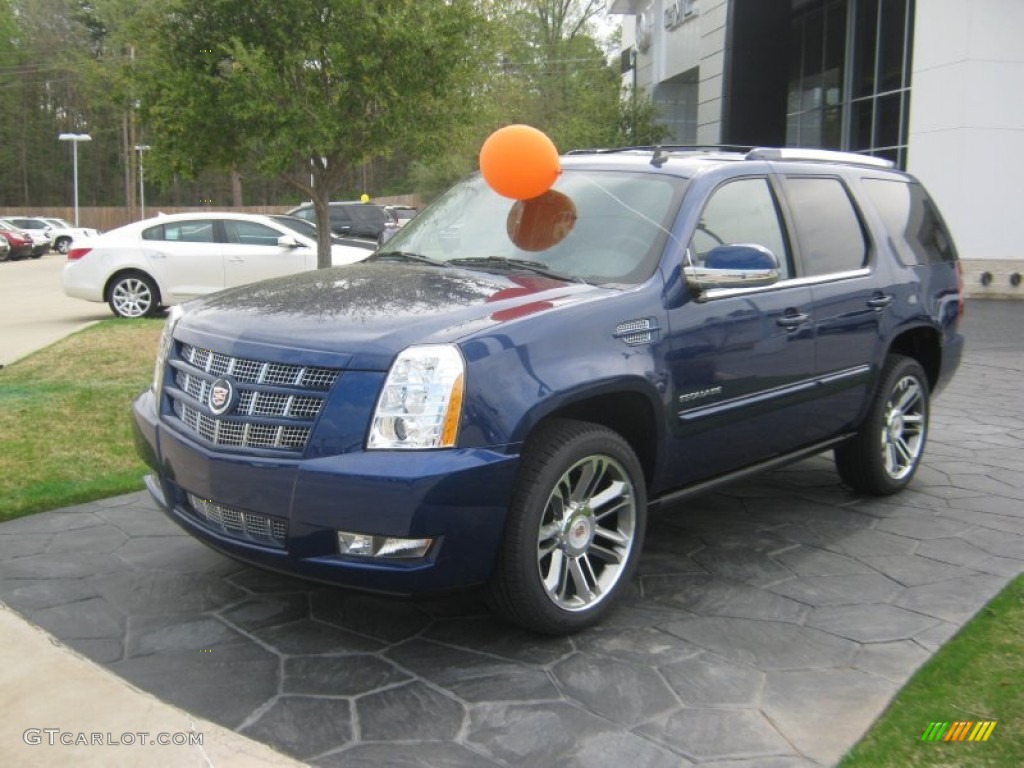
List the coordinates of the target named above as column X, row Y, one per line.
column 881, row 301
column 792, row 321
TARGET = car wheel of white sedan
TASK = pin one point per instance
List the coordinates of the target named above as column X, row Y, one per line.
column 133, row 295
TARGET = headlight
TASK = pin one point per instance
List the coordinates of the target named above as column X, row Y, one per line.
column 174, row 314
column 421, row 402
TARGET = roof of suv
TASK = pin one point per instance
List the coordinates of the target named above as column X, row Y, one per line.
column 691, row 159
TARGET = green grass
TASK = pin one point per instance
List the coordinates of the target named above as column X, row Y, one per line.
column 978, row 675
column 65, row 418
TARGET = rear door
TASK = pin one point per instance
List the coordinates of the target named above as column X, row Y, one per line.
column 186, row 257
column 850, row 290
column 741, row 361
column 251, row 253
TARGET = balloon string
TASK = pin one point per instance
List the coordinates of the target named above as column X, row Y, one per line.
column 641, row 214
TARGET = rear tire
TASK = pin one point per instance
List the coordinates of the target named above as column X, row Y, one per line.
column 883, row 457
column 133, row 294
column 574, row 531
column 63, row 245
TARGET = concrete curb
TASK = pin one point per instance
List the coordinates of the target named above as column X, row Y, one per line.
column 49, row 693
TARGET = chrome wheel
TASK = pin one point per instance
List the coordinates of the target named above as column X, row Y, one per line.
column 587, row 533
column 63, row 245
column 575, row 526
column 886, row 451
column 133, row 296
column 903, row 428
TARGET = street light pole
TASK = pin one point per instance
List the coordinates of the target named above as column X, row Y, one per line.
column 75, row 138
column 140, row 148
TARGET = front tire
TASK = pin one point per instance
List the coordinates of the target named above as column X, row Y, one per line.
column 882, row 459
column 63, row 245
column 575, row 528
column 133, row 294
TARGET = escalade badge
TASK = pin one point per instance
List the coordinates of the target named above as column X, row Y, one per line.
column 222, row 397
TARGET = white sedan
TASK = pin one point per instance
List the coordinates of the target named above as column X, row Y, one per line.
column 63, row 233
column 166, row 260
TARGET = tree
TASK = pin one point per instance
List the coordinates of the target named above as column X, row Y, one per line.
column 306, row 90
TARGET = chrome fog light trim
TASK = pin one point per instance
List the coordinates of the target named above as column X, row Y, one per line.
column 368, row 545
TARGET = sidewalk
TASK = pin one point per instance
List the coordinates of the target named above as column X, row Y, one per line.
column 68, row 703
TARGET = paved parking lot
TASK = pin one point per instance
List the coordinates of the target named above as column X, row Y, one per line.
column 34, row 311
column 769, row 625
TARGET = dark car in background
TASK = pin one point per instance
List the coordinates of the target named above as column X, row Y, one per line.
column 499, row 395
column 353, row 218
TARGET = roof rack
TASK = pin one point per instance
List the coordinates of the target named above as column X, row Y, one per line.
column 817, row 155
column 664, row 148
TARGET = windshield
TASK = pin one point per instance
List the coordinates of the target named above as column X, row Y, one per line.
column 597, row 226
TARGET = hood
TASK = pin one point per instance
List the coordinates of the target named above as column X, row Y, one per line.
column 362, row 315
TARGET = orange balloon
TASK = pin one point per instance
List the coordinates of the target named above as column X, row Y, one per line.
column 541, row 222
column 520, row 162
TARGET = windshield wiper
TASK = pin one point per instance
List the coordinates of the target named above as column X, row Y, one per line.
column 416, row 258
column 502, row 262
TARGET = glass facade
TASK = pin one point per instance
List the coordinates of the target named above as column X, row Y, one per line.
column 849, row 76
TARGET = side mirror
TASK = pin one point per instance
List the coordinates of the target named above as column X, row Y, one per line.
column 287, row 241
column 739, row 265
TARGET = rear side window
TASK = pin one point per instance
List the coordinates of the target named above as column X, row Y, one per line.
column 182, row 232
column 367, row 214
column 339, row 215
column 827, row 225
column 912, row 221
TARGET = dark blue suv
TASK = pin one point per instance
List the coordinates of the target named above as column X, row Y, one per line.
column 500, row 395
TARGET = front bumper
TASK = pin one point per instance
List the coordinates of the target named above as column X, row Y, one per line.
column 456, row 497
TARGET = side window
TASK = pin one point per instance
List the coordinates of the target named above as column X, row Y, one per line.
column 911, row 220
column 340, row 216
column 250, row 233
column 153, row 233
column 189, row 232
column 741, row 211
column 309, row 214
column 827, row 226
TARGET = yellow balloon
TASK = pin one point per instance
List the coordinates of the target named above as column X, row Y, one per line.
column 364, row 198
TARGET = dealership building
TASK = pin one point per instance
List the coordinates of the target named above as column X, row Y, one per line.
column 933, row 85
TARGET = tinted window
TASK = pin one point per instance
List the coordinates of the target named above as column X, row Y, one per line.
column 742, row 211
column 250, row 233
column 911, row 220
column 182, row 232
column 367, row 214
column 827, row 226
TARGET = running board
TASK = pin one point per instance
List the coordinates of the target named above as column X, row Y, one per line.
column 741, row 474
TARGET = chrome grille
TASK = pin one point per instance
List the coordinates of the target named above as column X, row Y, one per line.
column 241, row 434
column 238, row 524
column 257, row 372
column 276, row 407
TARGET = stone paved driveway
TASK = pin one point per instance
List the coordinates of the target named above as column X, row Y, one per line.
column 769, row 625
